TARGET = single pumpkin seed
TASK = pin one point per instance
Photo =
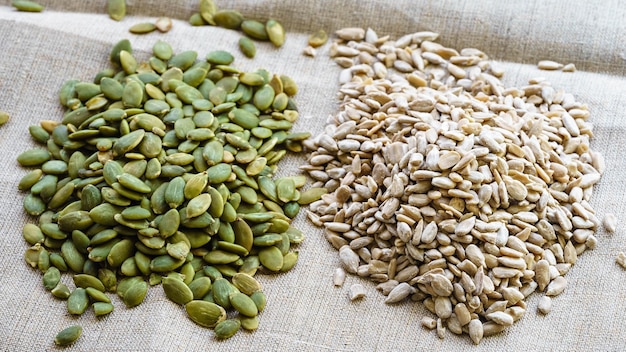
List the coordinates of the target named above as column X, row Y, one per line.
column 61, row 291
column 254, row 29
column 102, row 308
column 68, row 335
column 78, row 301
column 275, row 32
column 247, row 47
column 116, row 9
column 176, row 290
column 27, row 6
column 271, row 258
column 204, row 313
column 230, row 19
column 142, row 28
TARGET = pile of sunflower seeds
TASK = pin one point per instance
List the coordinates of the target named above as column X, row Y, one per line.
column 162, row 172
column 447, row 187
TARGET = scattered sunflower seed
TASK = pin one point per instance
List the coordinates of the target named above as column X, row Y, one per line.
column 549, row 65
column 163, row 24
column 609, row 222
column 356, row 292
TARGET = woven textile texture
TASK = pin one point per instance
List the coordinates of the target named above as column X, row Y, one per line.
column 305, row 312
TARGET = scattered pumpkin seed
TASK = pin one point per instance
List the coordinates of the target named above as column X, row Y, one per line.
column 247, row 47
column 142, row 28
column 27, row 6
column 68, row 335
column 116, row 9
column 4, row 117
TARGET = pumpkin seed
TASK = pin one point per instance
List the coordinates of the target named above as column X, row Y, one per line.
column 204, row 313
column 275, row 32
column 142, row 28
column 176, row 290
column 68, row 335
column 230, row 19
column 227, row 328
column 208, row 10
column 247, row 47
column 254, row 29
column 116, row 9
column 102, row 308
column 78, row 301
column 27, row 6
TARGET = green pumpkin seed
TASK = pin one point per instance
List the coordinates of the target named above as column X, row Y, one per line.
column 128, row 61
column 33, row 157
column 271, row 258
column 220, row 57
column 30, row 179
column 247, row 47
column 85, row 281
column 183, row 60
column 249, row 323
column 246, row 283
column 275, row 32
column 222, row 289
column 198, row 205
column 175, row 192
column 176, row 290
column 4, row 117
column 135, row 294
column 97, row 295
column 32, row 234
column 142, row 28
column 102, row 308
column 38, row 133
column 208, row 10
column 204, row 313
column 121, row 251
column 318, row 38
column 61, row 291
column 254, row 29
column 68, row 335
column 132, row 95
column 108, row 279
column 230, row 19
column 27, row 6
column 128, row 142
column 200, row 287
column 289, row 261
column 162, row 50
column 227, row 329
column 78, row 301
column 263, row 98
column 165, row 263
column 243, row 304
column 116, row 9
column 220, row 257
column 51, row 278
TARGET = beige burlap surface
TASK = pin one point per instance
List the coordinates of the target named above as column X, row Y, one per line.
column 305, row 312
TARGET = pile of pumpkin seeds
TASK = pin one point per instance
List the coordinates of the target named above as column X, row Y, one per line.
column 162, row 172
column 447, row 187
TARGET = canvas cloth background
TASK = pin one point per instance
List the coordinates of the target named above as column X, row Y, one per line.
column 305, row 312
